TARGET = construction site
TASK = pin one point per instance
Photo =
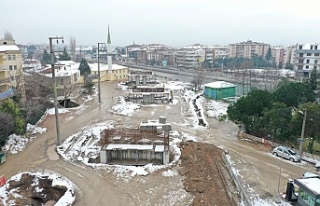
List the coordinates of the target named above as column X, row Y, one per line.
column 144, row 89
column 148, row 144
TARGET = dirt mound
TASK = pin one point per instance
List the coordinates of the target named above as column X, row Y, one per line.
column 206, row 176
column 33, row 190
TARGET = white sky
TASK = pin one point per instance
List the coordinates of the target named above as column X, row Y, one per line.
column 170, row 22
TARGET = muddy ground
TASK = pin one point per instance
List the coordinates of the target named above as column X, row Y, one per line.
column 206, row 176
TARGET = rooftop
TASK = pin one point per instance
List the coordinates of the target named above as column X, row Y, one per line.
column 313, row 184
column 4, row 48
column 219, row 84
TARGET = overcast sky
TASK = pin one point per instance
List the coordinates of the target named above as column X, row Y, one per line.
column 170, row 22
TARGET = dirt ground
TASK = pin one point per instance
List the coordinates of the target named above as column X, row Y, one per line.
column 35, row 191
column 258, row 170
column 206, row 176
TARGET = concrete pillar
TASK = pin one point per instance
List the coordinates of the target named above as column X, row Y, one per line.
column 103, row 156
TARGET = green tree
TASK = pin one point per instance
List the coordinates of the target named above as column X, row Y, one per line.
column 46, row 59
column 277, row 121
column 64, row 56
column 312, row 82
column 293, row 94
column 6, row 127
column 249, row 110
column 84, row 69
column 9, row 106
column 268, row 55
column 312, row 128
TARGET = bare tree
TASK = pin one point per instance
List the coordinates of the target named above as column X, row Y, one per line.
column 198, row 77
column 67, row 90
column 72, row 46
column 8, row 35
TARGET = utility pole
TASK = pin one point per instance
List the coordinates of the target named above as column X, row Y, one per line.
column 302, row 131
column 55, row 87
column 99, row 87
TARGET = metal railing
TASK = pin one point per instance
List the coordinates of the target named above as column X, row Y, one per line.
column 244, row 197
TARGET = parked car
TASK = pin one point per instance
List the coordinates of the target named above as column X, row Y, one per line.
column 286, row 153
column 310, row 175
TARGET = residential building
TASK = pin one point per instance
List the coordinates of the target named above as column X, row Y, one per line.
column 283, row 56
column 307, row 58
column 191, row 59
column 67, row 76
column 11, row 75
column 248, row 49
column 116, row 73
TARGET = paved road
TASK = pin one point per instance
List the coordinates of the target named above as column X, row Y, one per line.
column 99, row 187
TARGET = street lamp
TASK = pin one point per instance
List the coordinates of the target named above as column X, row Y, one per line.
column 99, row 88
column 55, row 86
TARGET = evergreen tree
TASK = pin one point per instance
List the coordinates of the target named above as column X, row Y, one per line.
column 45, row 58
column 312, row 81
column 64, row 56
column 268, row 55
column 9, row 106
column 84, row 69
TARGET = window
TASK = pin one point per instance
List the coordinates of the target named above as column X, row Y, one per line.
column 315, row 61
column 300, row 46
column 13, row 57
column 311, row 47
column 314, row 67
column 300, row 54
column 316, row 54
column 308, row 54
column 61, row 81
column 315, row 47
column 300, row 61
column 308, row 61
column 307, row 67
column 9, row 57
column 15, row 67
column 10, row 67
column 300, row 67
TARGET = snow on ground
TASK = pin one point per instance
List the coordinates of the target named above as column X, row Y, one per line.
column 169, row 173
column 60, row 111
column 83, row 145
column 57, row 180
column 176, row 85
column 124, row 108
column 214, row 109
column 33, row 129
column 15, row 144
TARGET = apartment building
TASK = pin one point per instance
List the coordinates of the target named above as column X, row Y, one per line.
column 191, row 59
column 248, row 49
column 307, row 58
column 282, row 56
column 11, row 76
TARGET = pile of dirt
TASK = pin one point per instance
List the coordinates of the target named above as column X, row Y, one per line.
column 34, row 190
column 206, row 177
